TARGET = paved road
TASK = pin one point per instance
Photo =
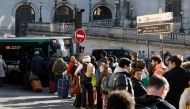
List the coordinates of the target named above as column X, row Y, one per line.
column 11, row 97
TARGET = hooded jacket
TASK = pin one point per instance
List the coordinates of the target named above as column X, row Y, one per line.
column 55, row 64
column 160, row 69
column 151, row 99
column 120, row 80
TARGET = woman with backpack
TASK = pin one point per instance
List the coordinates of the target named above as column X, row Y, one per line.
column 101, row 80
column 87, row 73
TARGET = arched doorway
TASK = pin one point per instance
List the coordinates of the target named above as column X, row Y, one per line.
column 64, row 14
column 24, row 14
column 101, row 13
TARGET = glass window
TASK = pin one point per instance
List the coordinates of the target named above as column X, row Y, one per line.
column 25, row 9
column 173, row 6
column 64, row 10
column 102, row 12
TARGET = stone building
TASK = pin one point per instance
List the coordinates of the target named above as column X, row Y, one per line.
column 15, row 14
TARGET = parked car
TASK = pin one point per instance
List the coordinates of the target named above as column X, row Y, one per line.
column 119, row 53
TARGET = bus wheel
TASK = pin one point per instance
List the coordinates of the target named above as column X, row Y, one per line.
column 14, row 77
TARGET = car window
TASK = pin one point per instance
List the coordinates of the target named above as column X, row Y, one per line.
column 111, row 52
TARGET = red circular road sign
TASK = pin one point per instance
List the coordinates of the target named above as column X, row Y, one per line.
column 80, row 35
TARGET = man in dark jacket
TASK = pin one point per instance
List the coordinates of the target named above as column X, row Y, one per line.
column 177, row 78
column 50, row 73
column 120, row 79
column 156, row 92
column 167, row 55
column 37, row 66
column 23, row 67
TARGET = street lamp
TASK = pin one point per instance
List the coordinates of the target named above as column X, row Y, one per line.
column 182, row 30
column 90, row 3
column 116, row 16
column 55, row 10
column 29, row 2
column 128, row 15
column 40, row 19
column 131, row 25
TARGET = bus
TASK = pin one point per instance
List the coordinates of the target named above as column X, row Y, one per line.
column 12, row 50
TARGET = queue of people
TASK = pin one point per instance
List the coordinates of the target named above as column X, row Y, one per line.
column 114, row 84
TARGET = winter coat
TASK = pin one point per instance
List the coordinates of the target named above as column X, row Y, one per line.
column 120, row 80
column 37, row 65
column 82, row 68
column 49, row 68
column 178, row 81
column 139, row 89
column 160, row 69
column 55, row 65
column 70, row 67
column 185, row 98
column 150, row 99
column 2, row 71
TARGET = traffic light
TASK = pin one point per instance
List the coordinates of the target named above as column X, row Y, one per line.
column 78, row 18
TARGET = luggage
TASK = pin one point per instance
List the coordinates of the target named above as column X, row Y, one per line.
column 36, row 85
column 52, row 86
column 63, row 88
column 75, row 87
column 26, row 83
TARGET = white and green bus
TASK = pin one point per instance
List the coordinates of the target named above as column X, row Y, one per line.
column 12, row 50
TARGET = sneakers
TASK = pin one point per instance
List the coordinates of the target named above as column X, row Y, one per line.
column 55, row 93
column 82, row 108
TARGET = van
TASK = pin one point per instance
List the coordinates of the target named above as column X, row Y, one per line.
column 119, row 53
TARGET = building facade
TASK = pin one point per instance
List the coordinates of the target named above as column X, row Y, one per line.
column 15, row 14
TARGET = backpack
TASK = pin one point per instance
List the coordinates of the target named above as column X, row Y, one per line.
column 104, row 83
column 60, row 68
column 89, row 70
column 23, row 64
column 75, row 66
column 152, row 106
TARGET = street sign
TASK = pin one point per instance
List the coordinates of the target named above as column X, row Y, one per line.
column 152, row 29
column 80, row 35
column 155, row 17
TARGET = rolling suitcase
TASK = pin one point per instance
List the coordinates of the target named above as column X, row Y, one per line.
column 63, row 88
column 36, row 85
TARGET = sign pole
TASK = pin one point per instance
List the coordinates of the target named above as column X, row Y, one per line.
column 161, row 37
column 147, row 41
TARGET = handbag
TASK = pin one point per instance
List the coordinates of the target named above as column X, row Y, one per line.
column 188, row 106
column 75, row 87
column 4, row 67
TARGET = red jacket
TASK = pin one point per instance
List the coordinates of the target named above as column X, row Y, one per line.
column 70, row 66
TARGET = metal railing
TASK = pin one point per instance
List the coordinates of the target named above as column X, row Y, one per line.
column 101, row 31
column 107, row 22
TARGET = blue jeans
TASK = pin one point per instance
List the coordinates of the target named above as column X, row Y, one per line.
column 57, row 77
column 1, row 80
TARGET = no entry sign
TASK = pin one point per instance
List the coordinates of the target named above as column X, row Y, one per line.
column 80, row 35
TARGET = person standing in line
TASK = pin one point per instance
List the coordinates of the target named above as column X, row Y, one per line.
column 51, row 74
column 178, row 79
column 143, row 55
column 23, row 67
column 134, row 57
column 2, row 70
column 158, row 66
column 59, row 67
column 167, row 55
column 38, row 66
column 139, row 55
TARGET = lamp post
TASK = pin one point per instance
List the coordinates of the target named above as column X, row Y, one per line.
column 55, row 10
column 90, row 3
column 182, row 30
column 131, row 25
column 29, row 2
column 127, row 15
column 40, row 19
column 116, row 22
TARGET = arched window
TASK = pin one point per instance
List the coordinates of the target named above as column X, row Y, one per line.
column 64, row 14
column 173, row 6
column 24, row 14
column 101, row 13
